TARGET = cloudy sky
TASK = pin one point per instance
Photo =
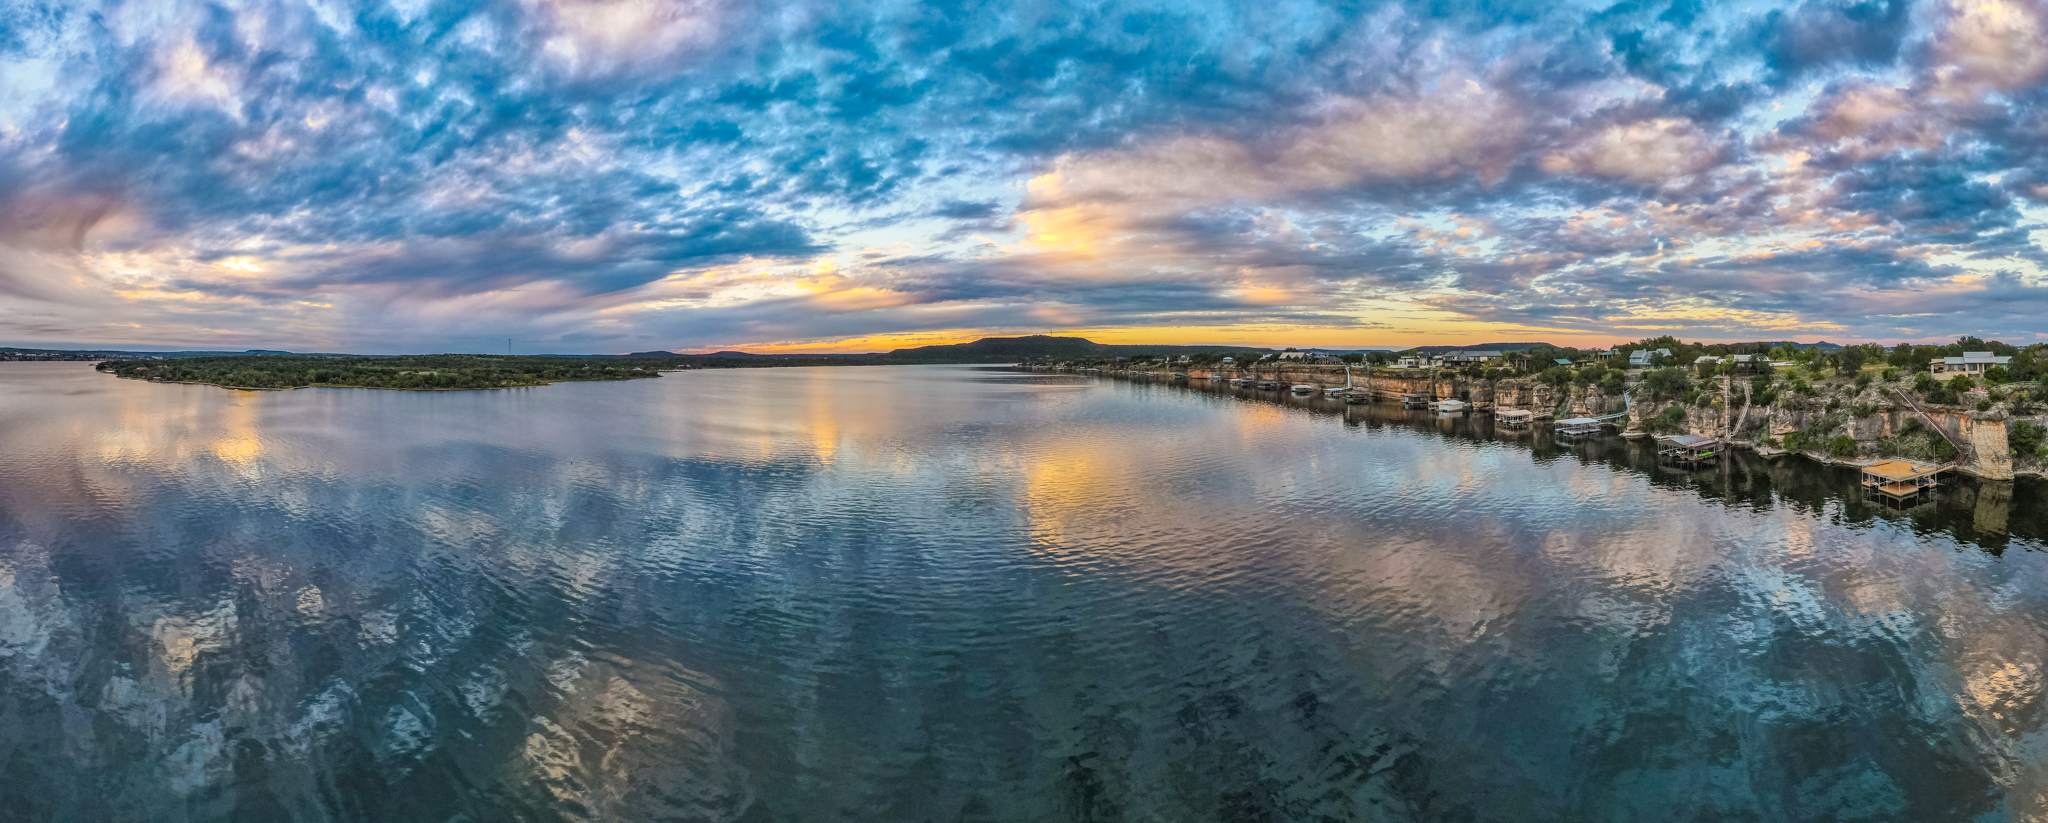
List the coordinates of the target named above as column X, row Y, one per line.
column 618, row 175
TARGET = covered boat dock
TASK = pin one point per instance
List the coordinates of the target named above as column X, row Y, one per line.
column 1514, row 418
column 1689, row 449
column 1578, row 426
column 1900, row 479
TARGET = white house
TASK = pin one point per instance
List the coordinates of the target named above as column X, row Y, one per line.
column 1973, row 362
column 1294, row 355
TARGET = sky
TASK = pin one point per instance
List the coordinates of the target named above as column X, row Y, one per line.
column 592, row 176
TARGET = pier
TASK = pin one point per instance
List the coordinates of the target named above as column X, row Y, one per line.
column 1901, row 480
column 1688, row 449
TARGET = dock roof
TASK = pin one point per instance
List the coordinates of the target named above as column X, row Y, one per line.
column 1688, row 440
column 1900, row 470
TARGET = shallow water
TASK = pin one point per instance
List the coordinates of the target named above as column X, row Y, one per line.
column 952, row 593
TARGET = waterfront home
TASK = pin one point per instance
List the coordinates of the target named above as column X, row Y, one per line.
column 1746, row 362
column 1603, row 356
column 1413, row 361
column 1294, row 355
column 1228, row 361
column 1563, row 361
column 1973, row 363
column 1640, row 359
column 1460, row 358
column 1704, row 359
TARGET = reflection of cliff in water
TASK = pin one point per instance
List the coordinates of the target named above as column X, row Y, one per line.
column 1979, row 512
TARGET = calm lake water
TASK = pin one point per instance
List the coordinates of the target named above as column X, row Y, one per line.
column 950, row 593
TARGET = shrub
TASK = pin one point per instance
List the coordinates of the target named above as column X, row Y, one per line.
column 1834, row 405
column 1863, row 409
column 1997, row 374
column 1925, row 383
column 1692, row 397
column 1890, row 374
column 1984, row 405
column 1843, row 446
column 1610, row 383
column 2026, row 438
column 1961, row 383
column 1797, row 440
column 1772, row 442
column 1671, row 421
column 1864, row 380
column 1800, row 386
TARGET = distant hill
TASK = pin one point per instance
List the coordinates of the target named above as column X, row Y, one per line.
column 1502, row 347
column 1822, row 345
column 9, row 352
column 1014, row 349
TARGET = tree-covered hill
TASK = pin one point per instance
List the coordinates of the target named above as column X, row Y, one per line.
column 417, row 372
column 1043, row 347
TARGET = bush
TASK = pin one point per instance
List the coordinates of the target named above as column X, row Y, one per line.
column 1891, row 374
column 1843, row 446
column 1800, row 386
column 1984, row 405
column 1664, row 384
column 1834, row 405
column 1961, row 383
column 1671, row 421
column 1692, row 397
column 1610, row 383
column 2026, row 438
column 1864, row 380
column 1863, row 409
column 1997, row 374
column 1925, row 383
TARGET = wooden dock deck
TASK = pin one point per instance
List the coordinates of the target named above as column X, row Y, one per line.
column 1901, row 479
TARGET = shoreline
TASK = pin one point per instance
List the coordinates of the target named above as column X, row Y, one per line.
column 369, row 388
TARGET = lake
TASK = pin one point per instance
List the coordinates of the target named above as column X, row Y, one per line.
column 973, row 594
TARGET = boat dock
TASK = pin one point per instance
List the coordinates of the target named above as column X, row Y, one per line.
column 1688, row 449
column 1901, row 479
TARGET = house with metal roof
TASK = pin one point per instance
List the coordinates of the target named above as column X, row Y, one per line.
column 1460, row 358
column 1640, row 358
column 1974, row 362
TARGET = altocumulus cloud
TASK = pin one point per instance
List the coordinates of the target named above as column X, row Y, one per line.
column 610, row 175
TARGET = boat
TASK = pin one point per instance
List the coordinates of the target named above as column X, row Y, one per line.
column 1449, row 406
column 1303, row 388
column 1215, row 375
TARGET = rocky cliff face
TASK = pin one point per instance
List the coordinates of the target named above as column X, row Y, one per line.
column 1723, row 410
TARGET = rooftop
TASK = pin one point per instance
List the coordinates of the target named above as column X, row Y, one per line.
column 1900, row 470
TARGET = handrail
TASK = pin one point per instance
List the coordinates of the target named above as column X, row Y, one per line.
column 1963, row 450
column 1626, row 405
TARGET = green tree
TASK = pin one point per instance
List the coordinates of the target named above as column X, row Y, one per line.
column 1842, row 446
column 1664, row 384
